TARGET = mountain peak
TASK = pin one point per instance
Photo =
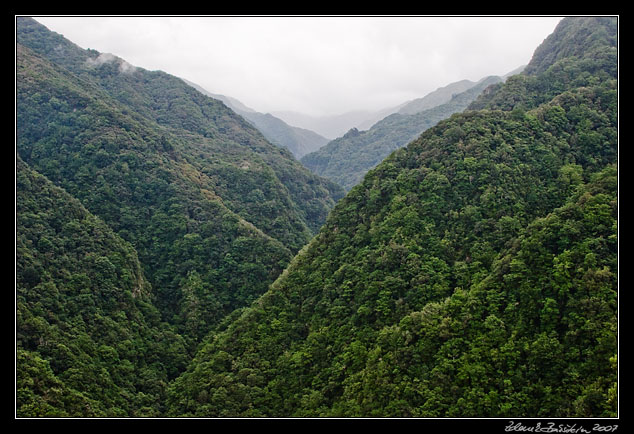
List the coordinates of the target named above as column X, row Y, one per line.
column 574, row 37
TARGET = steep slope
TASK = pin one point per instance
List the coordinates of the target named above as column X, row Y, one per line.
column 214, row 210
column 536, row 337
column 377, row 116
column 579, row 39
column 472, row 273
column 299, row 141
column 440, row 96
column 444, row 94
column 346, row 160
column 172, row 104
column 582, row 52
column 89, row 341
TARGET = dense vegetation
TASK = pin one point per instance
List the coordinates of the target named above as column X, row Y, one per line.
column 583, row 53
column 299, row 141
column 201, row 195
column 212, row 211
column 347, row 159
column 472, row 273
column 89, row 339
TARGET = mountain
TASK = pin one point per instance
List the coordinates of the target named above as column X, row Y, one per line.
column 337, row 125
column 172, row 262
column 517, row 70
column 440, row 96
column 377, row 116
column 299, row 141
column 473, row 273
column 214, row 210
column 589, row 56
column 331, row 126
column 347, row 159
column 89, row 342
column 444, row 94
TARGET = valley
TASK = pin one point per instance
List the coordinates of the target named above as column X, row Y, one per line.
column 181, row 255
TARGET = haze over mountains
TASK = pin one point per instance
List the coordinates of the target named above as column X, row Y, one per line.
column 347, row 159
column 297, row 140
column 444, row 94
column 303, row 141
column 171, row 261
column 211, row 209
column 472, row 273
column 335, row 126
column 332, row 126
column 346, row 163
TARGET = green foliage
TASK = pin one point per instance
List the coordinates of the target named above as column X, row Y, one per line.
column 190, row 184
column 86, row 327
column 532, row 328
column 212, row 211
column 347, row 159
column 472, row 273
column 581, row 52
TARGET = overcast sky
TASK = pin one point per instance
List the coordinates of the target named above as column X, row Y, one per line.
column 315, row 65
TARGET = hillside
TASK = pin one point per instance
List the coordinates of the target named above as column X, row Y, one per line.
column 444, row 94
column 213, row 209
column 299, row 141
column 173, row 262
column 89, row 342
column 440, row 96
column 582, row 53
column 472, row 273
column 347, row 159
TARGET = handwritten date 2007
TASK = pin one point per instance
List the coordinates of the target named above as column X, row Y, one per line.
column 551, row 427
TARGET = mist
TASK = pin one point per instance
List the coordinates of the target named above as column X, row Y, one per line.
column 318, row 66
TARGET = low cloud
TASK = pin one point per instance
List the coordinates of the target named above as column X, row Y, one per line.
column 322, row 65
column 124, row 67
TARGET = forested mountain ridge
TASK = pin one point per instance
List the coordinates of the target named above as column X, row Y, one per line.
column 89, row 340
column 346, row 159
column 583, row 52
column 173, row 104
column 439, row 96
column 214, row 210
column 120, row 171
column 472, row 273
column 299, row 141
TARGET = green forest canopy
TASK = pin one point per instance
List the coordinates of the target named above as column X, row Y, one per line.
column 166, row 263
